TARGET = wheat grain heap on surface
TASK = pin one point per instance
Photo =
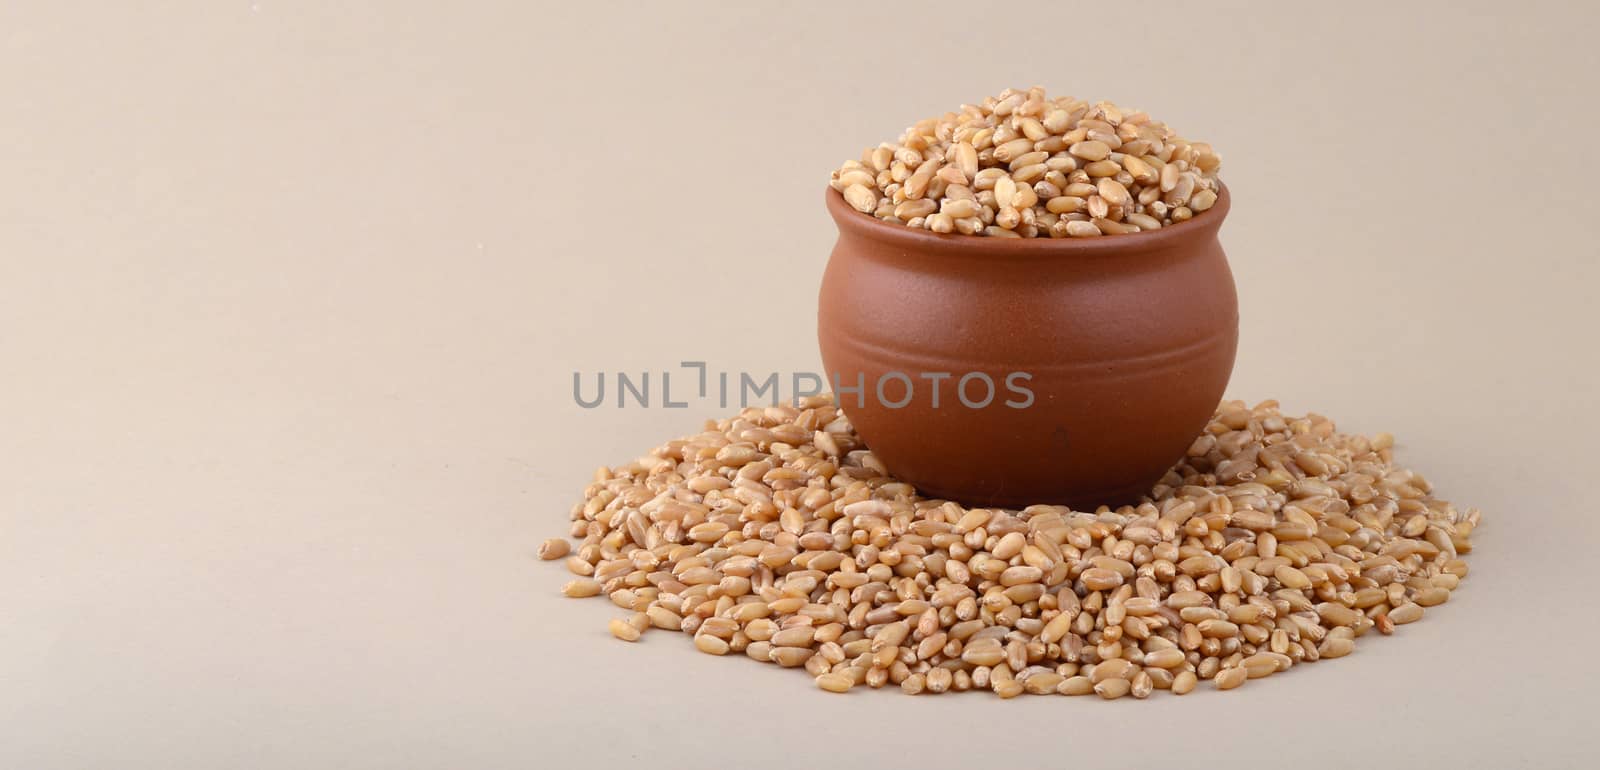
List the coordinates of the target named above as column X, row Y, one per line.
column 777, row 534
column 1021, row 164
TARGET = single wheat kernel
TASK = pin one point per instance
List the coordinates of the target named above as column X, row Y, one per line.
column 1184, row 682
column 913, row 684
column 1257, row 668
column 1335, row 647
column 1112, row 689
column 861, row 198
column 1384, row 625
column 581, row 588
column 1406, row 613
column 554, row 548
column 711, row 645
column 1009, row 688
column 1168, row 658
column 836, row 682
column 623, row 630
column 1043, row 683
column 1291, row 577
column 1229, row 678
column 1142, row 686
column 1075, row 685
column 1078, row 229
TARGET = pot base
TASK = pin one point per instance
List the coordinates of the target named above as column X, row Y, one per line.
column 1128, row 495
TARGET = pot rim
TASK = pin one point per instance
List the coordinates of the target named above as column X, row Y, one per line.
column 1202, row 225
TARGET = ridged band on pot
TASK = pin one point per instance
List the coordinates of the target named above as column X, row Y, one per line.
column 1127, row 343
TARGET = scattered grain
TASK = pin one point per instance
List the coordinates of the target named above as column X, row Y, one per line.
column 1276, row 542
column 622, row 629
column 554, row 548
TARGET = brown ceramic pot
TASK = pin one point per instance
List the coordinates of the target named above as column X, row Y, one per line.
column 1125, row 342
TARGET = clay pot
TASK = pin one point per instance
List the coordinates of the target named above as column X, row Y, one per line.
column 1125, row 342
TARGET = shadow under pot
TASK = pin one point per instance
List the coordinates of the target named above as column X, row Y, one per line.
column 1011, row 372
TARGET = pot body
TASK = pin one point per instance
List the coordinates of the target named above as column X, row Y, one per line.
column 1106, row 356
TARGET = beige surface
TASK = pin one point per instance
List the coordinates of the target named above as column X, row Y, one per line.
column 290, row 298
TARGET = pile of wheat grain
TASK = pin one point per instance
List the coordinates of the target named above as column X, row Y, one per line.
column 776, row 534
column 1022, row 164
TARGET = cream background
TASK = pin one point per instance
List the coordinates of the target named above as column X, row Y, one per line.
column 290, row 294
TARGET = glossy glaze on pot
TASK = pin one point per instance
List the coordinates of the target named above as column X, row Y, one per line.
column 1129, row 341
